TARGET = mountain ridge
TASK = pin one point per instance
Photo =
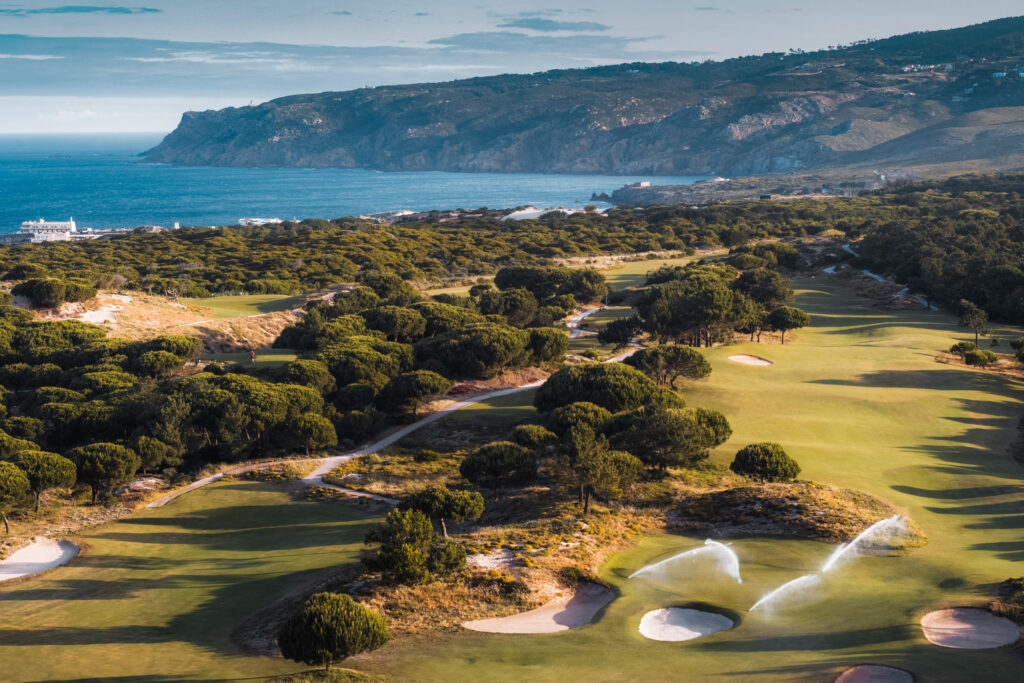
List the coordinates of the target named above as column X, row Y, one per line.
column 875, row 102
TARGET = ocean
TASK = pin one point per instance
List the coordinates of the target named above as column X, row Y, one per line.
column 99, row 181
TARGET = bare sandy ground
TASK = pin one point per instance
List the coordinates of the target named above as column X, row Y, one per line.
column 875, row 673
column 40, row 555
column 674, row 624
column 561, row 614
column 751, row 360
column 969, row 628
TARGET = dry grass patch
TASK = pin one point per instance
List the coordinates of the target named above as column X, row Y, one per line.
column 397, row 473
column 801, row 509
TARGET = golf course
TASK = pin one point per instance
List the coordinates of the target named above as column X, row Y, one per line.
column 858, row 399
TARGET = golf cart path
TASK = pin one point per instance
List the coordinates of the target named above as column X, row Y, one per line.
column 561, row 614
column 316, row 477
column 39, row 556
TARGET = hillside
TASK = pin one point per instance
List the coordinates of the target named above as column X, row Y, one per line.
column 928, row 101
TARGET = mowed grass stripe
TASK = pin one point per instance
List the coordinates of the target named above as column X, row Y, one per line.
column 157, row 595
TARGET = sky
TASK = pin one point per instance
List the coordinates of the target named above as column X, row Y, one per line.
column 137, row 67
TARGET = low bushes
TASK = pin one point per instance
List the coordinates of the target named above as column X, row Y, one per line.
column 765, row 461
column 51, row 292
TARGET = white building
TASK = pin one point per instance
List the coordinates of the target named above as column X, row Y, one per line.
column 48, row 231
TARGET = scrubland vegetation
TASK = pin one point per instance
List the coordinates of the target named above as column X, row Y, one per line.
column 577, row 478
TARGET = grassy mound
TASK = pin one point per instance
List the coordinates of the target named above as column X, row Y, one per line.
column 801, row 509
column 1010, row 603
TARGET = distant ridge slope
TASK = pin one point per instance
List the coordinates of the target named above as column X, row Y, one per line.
column 923, row 100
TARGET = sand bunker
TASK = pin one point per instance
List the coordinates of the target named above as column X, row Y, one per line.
column 875, row 673
column 969, row 628
column 560, row 614
column 40, row 555
column 674, row 624
column 751, row 360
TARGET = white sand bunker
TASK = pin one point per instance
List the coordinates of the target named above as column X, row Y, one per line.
column 751, row 360
column 969, row 628
column 875, row 673
column 673, row 624
column 40, row 555
column 560, row 614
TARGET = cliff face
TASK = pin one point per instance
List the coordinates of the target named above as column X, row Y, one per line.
column 871, row 103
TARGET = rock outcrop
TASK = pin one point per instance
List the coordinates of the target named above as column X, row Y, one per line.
column 910, row 101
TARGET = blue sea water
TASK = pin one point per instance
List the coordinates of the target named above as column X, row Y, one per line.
column 99, row 181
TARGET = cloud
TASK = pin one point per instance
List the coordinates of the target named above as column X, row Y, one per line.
column 112, row 67
column 707, row 9
column 77, row 9
column 422, row 14
column 539, row 24
column 274, row 60
column 343, row 13
column 31, row 58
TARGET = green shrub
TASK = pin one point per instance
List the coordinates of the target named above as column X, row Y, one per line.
column 766, row 461
column 446, row 558
column 613, row 386
column 500, row 464
column 962, row 348
column 980, row 357
column 330, row 627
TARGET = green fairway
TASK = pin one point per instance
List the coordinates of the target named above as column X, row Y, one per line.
column 857, row 399
column 860, row 402
column 230, row 306
column 634, row 273
column 156, row 596
column 460, row 290
column 264, row 357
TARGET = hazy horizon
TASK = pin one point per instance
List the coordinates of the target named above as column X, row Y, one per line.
column 106, row 69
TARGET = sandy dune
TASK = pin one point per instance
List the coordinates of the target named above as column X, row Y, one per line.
column 560, row 614
column 38, row 556
column 968, row 628
column 674, row 624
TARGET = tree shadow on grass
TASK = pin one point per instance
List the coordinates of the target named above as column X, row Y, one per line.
column 816, row 641
column 1007, row 550
column 938, row 379
column 961, row 493
column 208, row 625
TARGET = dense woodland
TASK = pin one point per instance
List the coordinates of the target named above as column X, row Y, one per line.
column 962, row 239
column 376, row 350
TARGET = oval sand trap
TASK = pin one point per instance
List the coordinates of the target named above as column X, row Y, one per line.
column 751, row 360
column 560, row 614
column 40, row 555
column 875, row 673
column 969, row 628
column 673, row 624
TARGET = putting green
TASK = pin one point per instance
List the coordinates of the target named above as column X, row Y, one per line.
column 231, row 306
column 156, row 596
column 634, row 273
column 860, row 402
column 264, row 357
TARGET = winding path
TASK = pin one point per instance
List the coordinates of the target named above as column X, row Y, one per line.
column 316, row 477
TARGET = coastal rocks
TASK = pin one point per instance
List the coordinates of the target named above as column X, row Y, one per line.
column 765, row 114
